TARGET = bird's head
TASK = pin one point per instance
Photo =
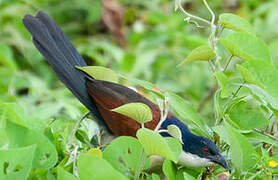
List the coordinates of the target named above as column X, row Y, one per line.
column 197, row 151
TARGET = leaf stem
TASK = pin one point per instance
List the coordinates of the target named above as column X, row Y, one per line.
column 142, row 161
column 228, row 62
column 266, row 134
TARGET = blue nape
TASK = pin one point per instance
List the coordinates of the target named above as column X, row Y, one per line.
column 174, row 121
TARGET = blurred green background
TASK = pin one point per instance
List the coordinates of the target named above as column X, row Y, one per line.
column 143, row 39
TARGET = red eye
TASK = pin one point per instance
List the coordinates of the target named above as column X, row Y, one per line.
column 205, row 150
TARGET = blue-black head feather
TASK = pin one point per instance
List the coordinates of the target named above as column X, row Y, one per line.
column 195, row 145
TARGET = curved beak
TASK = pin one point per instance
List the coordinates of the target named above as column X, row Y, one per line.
column 219, row 159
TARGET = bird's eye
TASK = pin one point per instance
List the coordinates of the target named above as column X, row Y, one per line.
column 205, row 150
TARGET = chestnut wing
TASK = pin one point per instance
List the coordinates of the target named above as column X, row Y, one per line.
column 109, row 95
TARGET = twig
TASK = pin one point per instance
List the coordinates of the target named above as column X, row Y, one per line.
column 208, row 97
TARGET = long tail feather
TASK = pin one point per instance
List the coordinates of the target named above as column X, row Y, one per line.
column 53, row 44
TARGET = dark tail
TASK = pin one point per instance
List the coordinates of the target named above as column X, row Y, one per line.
column 61, row 55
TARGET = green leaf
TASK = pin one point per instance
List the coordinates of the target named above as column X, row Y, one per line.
column 236, row 23
column 64, row 175
column 145, row 84
column 247, row 76
column 140, row 112
column 241, row 149
column 19, row 136
column 100, row 73
column 124, row 154
column 169, row 169
column 186, row 111
column 227, row 85
column 248, row 117
column 14, row 112
column 155, row 176
column 246, row 47
column 267, row 76
column 261, row 137
column 175, row 131
column 16, row 163
column 155, row 144
column 6, row 57
column 202, row 53
column 92, row 167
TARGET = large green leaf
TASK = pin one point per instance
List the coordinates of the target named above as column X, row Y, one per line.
column 186, row 111
column 267, row 77
column 19, row 136
column 92, row 167
column 155, row 144
column 227, row 85
column 16, row 163
column 247, row 76
column 124, row 154
column 169, row 169
column 236, row 23
column 246, row 47
column 247, row 117
column 64, row 175
column 100, row 73
column 261, row 138
column 241, row 149
column 140, row 112
column 202, row 53
column 14, row 112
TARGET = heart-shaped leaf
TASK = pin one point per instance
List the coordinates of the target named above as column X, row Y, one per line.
column 124, row 154
column 64, row 175
column 236, row 23
column 155, row 144
column 45, row 155
column 16, row 163
column 138, row 111
column 247, row 117
column 202, row 53
column 100, row 73
column 175, row 131
column 92, row 167
column 246, row 47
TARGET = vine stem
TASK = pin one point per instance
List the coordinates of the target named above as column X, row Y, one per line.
column 191, row 15
column 164, row 108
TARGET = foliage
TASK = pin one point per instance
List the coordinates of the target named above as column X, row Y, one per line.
column 228, row 92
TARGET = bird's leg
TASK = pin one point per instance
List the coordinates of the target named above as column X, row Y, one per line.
column 207, row 172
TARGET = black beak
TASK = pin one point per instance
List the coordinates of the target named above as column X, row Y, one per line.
column 219, row 159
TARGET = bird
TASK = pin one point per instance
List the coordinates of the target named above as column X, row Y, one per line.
column 100, row 97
